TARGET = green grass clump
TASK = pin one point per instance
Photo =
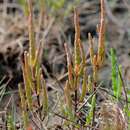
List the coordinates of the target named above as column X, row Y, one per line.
column 116, row 79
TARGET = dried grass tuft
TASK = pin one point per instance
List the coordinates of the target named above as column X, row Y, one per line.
column 112, row 117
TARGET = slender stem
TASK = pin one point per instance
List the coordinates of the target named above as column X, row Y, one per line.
column 124, row 88
column 75, row 101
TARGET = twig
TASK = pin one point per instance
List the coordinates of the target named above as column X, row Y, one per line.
column 8, row 103
column 36, row 124
column 48, row 28
column 87, row 126
column 75, row 100
column 57, row 80
column 123, row 84
column 89, row 97
column 65, row 118
column 108, row 92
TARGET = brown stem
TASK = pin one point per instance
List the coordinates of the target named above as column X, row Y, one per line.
column 124, row 88
column 75, row 101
